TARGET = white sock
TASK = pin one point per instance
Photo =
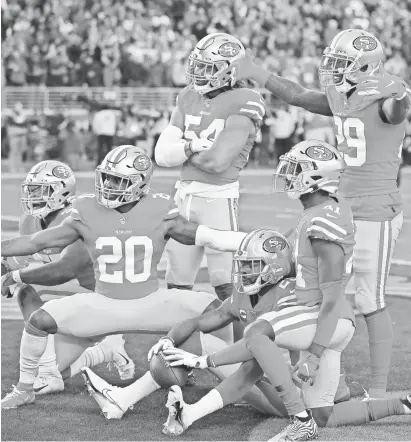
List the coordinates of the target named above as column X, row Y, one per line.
column 138, row 390
column 48, row 362
column 92, row 356
column 31, row 349
column 210, row 403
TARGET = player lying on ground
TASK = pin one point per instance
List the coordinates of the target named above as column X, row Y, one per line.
column 369, row 107
column 318, row 321
column 47, row 195
column 266, row 260
column 125, row 227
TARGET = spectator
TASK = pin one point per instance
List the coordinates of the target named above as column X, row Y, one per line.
column 285, row 124
column 104, row 126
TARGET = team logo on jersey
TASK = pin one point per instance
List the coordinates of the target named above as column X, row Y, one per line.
column 274, row 244
column 243, row 314
column 229, row 49
column 365, row 43
column 319, row 153
column 142, row 163
column 61, row 172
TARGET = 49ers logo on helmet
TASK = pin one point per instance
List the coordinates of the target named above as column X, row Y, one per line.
column 229, row 49
column 319, row 153
column 365, row 43
column 61, row 172
column 142, row 162
column 274, row 244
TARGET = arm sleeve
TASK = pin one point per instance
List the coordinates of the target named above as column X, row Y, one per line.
column 170, row 147
column 223, row 240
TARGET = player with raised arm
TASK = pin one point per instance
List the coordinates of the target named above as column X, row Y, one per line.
column 211, row 133
column 262, row 261
column 124, row 227
column 369, row 107
column 47, row 195
column 317, row 317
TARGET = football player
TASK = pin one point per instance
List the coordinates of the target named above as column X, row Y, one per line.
column 124, row 227
column 369, row 107
column 316, row 319
column 211, row 133
column 263, row 259
column 47, row 195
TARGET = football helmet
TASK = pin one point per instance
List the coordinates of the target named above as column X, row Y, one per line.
column 353, row 53
column 47, row 188
column 123, row 177
column 212, row 54
column 309, row 166
column 263, row 257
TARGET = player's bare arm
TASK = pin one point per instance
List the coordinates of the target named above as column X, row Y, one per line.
column 171, row 148
column 206, row 323
column 59, row 236
column 227, row 145
column 331, row 270
column 73, row 260
column 289, row 91
column 186, row 232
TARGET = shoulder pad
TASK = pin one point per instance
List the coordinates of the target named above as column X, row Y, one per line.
column 26, row 224
column 181, row 95
column 328, row 223
column 250, row 103
column 81, row 205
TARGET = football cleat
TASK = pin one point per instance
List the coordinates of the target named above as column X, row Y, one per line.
column 120, row 359
column 46, row 383
column 16, row 398
column 298, row 430
column 407, row 403
column 104, row 394
column 175, row 424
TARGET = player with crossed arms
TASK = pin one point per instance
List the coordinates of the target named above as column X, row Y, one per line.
column 317, row 320
column 211, row 133
column 369, row 107
column 124, row 227
column 47, row 195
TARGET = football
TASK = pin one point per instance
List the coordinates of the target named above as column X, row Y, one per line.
column 166, row 376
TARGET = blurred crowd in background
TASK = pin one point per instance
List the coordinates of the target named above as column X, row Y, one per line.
column 146, row 43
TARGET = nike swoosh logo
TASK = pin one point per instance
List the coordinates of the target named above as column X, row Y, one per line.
column 213, row 199
column 330, row 216
column 127, row 360
column 36, row 390
column 392, row 82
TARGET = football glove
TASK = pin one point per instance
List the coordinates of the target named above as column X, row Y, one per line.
column 177, row 357
column 387, row 86
column 164, row 343
column 200, row 145
column 307, row 368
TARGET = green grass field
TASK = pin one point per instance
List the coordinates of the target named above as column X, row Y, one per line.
column 73, row 415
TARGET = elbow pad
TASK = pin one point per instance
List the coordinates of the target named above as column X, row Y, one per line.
column 170, row 148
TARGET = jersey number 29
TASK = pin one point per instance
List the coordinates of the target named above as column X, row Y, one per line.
column 126, row 250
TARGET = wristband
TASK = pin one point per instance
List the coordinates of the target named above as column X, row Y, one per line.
column 16, row 276
column 210, row 361
column 187, row 149
column 169, row 338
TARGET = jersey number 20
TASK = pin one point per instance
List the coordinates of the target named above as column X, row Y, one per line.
column 128, row 251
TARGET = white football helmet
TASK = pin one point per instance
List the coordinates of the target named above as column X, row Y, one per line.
column 47, row 188
column 263, row 257
column 352, row 54
column 123, row 177
column 309, row 166
column 212, row 54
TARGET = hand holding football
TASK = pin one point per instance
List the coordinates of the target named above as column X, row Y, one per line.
column 166, row 376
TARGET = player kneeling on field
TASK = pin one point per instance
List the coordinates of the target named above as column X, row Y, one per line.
column 316, row 320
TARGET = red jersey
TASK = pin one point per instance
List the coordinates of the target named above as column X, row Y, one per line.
column 30, row 224
column 329, row 221
column 206, row 118
column 124, row 248
column 371, row 147
column 241, row 307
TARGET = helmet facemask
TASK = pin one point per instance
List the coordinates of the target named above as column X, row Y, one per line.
column 40, row 199
column 114, row 189
column 298, row 177
column 202, row 75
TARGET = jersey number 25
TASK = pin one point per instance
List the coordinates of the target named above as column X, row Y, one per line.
column 126, row 250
